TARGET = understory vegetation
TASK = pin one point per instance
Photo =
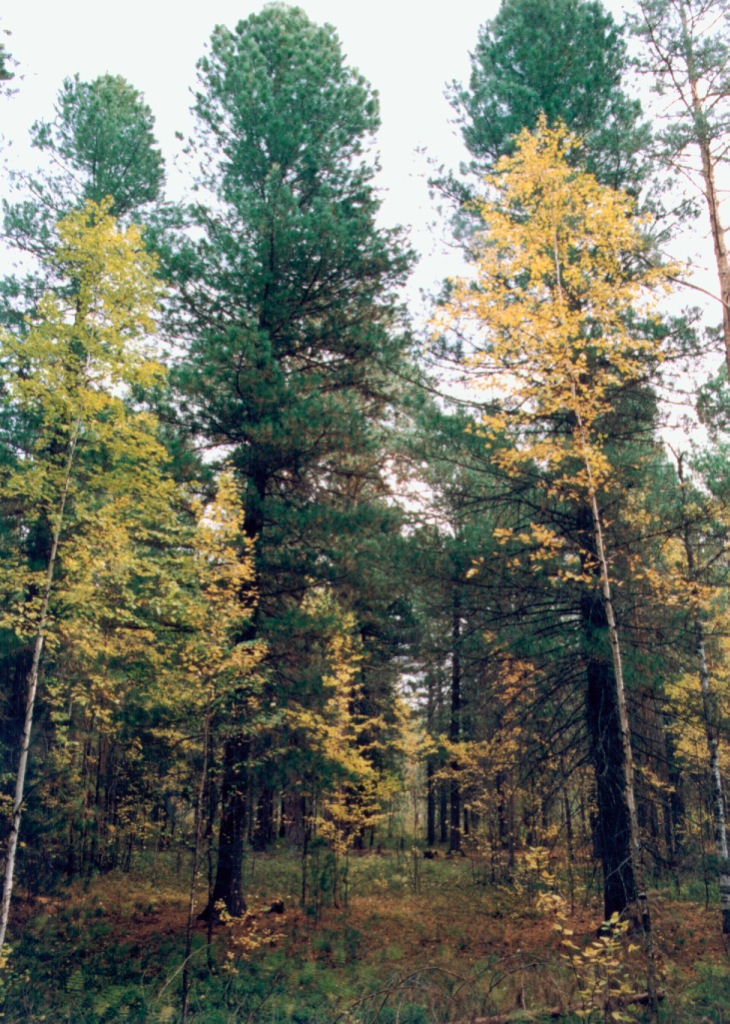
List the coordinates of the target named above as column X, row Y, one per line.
column 419, row 941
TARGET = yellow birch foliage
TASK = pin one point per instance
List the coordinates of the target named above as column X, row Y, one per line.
column 84, row 465
column 213, row 660
column 144, row 611
column 66, row 386
column 554, row 305
column 352, row 790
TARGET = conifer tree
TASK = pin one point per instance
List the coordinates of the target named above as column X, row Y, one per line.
column 101, row 143
column 288, row 301
column 687, row 52
column 563, row 60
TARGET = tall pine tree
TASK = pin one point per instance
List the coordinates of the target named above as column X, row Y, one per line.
column 287, row 297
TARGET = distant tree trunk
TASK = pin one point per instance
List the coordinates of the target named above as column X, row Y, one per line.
column 718, row 802
column 263, row 834
column 430, row 769
column 569, row 843
column 197, row 839
column 673, row 805
column 711, row 718
column 430, row 804
column 455, row 726
column 282, row 817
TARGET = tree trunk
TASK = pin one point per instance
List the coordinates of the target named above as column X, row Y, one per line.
column 430, row 770
column 711, row 722
column 617, row 695
column 455, row 727
column 263, row 833
column 611, row 830
column 718, row 803
column 430, row 804
column 228, row 885
column 31, row 690
column 702, row 137
column 627, row 760
column 200, row 797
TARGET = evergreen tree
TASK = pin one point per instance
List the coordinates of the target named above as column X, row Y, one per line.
column 561, row 59
column 288, row 299
column 687, row 51
column 101, row 143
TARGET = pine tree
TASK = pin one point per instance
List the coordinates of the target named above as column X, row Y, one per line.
column 687, row 51
column 559, row 59
column 288, row 300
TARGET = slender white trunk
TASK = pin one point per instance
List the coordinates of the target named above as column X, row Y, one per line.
column 624, row 727
column 31, row 689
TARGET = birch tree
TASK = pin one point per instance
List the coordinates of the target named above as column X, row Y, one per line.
column 554, row 304
column 70, row 376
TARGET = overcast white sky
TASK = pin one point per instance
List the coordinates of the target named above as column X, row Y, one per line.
column 408, row 51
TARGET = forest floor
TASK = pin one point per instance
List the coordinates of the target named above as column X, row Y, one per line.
column 412, row 942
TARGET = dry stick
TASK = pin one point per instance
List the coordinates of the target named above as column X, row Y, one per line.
column 31, row 689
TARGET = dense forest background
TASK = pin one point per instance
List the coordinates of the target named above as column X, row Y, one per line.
column 319, row 625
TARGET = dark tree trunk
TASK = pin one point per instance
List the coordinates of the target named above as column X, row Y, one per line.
column 430, row 770
column 612, row 829
column 281, row 831
column 674, row 804
column 443, row 813
column 612, row 832
column 228, row 885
